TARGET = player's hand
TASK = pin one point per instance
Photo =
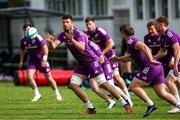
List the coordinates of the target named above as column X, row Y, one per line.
column 175, row 71
column 101, row 59
column 115, row 58
column 20, row 65
column 155, row 62
column 43, row 63
column 49, row 37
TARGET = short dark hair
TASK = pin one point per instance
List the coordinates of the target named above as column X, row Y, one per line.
column 26, row 25
column 122, row 27
column 151, row 23
column 67, row 17
column 88, row 19
column 163, row 19
column 126, row 29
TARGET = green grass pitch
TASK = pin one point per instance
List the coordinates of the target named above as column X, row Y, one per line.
column 15, row 104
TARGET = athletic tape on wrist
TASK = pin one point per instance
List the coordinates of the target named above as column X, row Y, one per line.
column 45, row 57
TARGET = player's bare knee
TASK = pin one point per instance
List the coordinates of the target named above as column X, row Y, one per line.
column 133, row 87
column 130, row 88
column 168, row 82
column 162, row 94
column 51, row 81
column 71, row 85
column 30, row 78
column 50, row 78
column 96, row 90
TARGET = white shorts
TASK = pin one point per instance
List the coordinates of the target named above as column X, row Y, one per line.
column 111, row 82
column 116, row 72
column 76, row 80
column 100, row 79
column 172, row 75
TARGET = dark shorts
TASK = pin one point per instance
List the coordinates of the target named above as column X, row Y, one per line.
column 107, row 70
column 114, row 65
column 166, row 69
column 93, row 69
column 37, row 66
column 152, row 75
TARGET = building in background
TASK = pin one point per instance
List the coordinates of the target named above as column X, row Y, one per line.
column 109, row 14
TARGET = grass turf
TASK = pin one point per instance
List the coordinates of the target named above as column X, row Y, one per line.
column 15, row 104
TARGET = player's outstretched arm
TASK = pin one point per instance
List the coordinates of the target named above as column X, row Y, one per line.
column 125, row 58
column 45, row 55
column 142, row 47
column 53, row 43
column 109, row 46
column 176, row 53
column 161, row 53
column 78, row 44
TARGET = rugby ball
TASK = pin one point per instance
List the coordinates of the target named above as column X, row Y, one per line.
column 31, row 33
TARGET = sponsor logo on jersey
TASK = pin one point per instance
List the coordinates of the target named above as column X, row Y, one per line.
column 130, row 41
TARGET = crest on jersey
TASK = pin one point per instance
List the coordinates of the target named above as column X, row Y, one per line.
column 144, row 77
column 130, row 41
column 64, row 37
column 169, row 33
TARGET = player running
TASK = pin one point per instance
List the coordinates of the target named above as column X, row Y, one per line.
column 107, row 72
column 88, row 63
column 150, row 71
column 37, row 50
column 170, row 42
column 105, row 42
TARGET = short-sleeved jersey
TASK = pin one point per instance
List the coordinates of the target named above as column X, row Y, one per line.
column 33, row 47
column 138, row 56
column 153, row 42
column 168, row 40
column 100, row 36
column 82, row 57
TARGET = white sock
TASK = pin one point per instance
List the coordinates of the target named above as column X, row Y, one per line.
column 36, row 91
column 177, row 97
column 126, row 92
column 130, row 101
column 57, row 92
column 150, row 102
column 89, row 104
column 122, row 101
column 178, row 105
